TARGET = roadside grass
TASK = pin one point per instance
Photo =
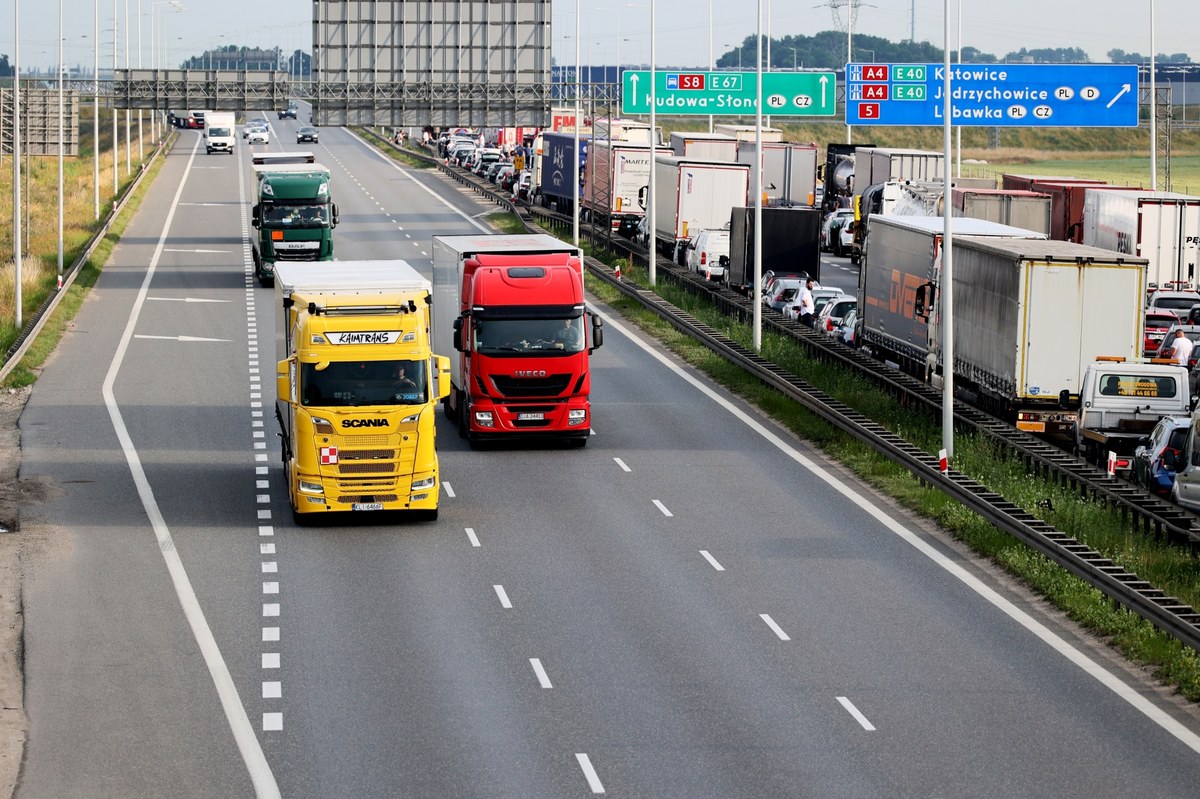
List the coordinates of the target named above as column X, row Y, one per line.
column 1168, row 567
column 39, row 264
column 78, row 227
column 506, row 222
column 392, row 150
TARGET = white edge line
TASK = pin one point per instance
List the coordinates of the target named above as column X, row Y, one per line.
column 244, row 734
column 593, row 779
column 712, row 560
column 858, row 716
column 412, row 177
column 1071, row 653
column 543, row 678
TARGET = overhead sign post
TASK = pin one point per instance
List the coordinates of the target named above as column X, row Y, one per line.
column 994, row 95
column 730, row 93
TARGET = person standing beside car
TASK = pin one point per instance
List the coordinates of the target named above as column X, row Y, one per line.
column 1181, row 348
column 807, row 305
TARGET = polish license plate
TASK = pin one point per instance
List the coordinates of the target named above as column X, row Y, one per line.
column 531, row 417
column 366, row 506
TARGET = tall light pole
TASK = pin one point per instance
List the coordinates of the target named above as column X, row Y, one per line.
column 947, row 278
column 651, row 191
column 16, row 150
column 128, row 116
column 849, row 59
column 1153, row 109
column 141, row 146
column 578, row 120
column 61, row 145
column 96, row 111
column 711, row 64
column 116, row 139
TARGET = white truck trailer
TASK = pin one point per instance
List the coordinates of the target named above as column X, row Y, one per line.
column 617, row 174
column 1162, row 227
column 789, row 171
column 695, row 195
column 704, row 145
column 1030, row 314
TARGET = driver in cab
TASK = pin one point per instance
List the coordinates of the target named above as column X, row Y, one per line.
column 569, row 336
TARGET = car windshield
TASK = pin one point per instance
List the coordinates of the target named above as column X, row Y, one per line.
column 356, row 383
column 1176, row 303
column 306, row 215
column 507, row 336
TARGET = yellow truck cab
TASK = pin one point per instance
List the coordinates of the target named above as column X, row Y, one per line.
column 357, row 387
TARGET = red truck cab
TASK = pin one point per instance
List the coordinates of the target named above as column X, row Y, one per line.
column 522, row 334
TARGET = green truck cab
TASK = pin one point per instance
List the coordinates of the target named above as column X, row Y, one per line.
column 295, row 214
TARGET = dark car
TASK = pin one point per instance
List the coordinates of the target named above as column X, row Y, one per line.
column 1154, row 460
column 1157, row 325
column 1191, row 331
column 288, row 113
column 307, row 133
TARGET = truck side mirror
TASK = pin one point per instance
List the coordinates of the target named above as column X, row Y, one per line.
column 256, row 215
column 924, row 301
column 442, row 377
column 285, row 380
column 597, row 333
column 642, row 196
column 334, row 211
column 458, row 324
column 1064, row 399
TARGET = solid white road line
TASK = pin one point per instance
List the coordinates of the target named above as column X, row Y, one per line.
column 543, row 679
column 593, row 779
column 712, row 560
column 235, row 713
column 621, row 463
column 449, row 489
column 771, row 623
column 1090, row 667
column 504, row 601
column 662, row 508
column 471, row 535
column 853, row 711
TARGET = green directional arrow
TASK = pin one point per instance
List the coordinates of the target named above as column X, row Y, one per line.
column 729, row 93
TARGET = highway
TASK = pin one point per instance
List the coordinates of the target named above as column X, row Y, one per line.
column 696, row 605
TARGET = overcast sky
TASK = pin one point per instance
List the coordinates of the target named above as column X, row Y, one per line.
column 994, row 26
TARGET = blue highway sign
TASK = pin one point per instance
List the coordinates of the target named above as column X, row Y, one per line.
column 994, row 95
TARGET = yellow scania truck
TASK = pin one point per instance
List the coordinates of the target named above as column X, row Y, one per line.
column 357, row 386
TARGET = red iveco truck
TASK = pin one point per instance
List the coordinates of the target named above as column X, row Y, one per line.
column 512, row 308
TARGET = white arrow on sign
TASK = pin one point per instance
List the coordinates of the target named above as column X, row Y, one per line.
column 182, row 299
column 633, row 80
column 184, row 338
column 1117, row 96
column 824, row 80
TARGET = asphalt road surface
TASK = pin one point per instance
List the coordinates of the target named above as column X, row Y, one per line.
column 695, row 605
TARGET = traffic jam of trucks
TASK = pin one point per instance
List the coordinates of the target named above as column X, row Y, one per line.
column 1057, row 283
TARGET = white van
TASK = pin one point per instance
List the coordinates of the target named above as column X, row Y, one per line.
column 705, row 251
column 220, row 134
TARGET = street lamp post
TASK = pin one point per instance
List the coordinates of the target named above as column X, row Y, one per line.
column 794, row 49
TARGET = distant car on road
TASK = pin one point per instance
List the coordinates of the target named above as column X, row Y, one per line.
column 1150, row 468
column 259, row 134
column 307, row 133
column 289, row 112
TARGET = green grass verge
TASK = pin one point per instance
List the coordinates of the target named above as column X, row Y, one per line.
column 1168, row 567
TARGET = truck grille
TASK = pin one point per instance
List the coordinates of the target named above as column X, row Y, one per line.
column 352, row 498
column 373, row 467
column 297, row 255
column 549, row 386
column 366, row 454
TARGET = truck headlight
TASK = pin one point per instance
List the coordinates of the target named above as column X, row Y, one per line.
column 410, row 419
column 484, row 419
column 426, row 482
column 311, row 488
column 576, row 417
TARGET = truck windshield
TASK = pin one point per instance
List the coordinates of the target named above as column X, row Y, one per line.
column 296, row 215
column 355, row 383
column 506, row 336
column 1127, row 385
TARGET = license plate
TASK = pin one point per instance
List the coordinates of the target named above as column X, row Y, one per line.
column 366, row 506
column 531, row 417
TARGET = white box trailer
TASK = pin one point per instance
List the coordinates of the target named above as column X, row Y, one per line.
column 616, row 177
column 748, row 132
column 1162, row 227
column 1023, row 209
column 874, row 165
column 703, row 145
column 1030, row 314
column 694, row 195
column 789, row 171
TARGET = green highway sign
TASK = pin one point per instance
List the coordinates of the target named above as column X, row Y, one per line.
column 729, row 93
